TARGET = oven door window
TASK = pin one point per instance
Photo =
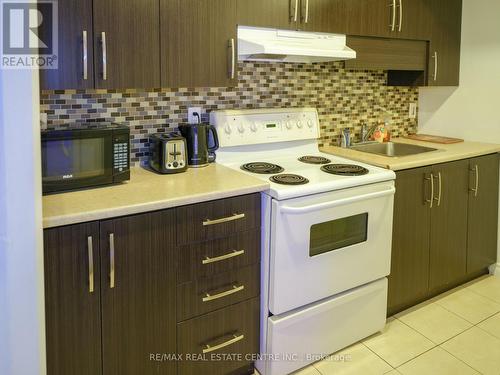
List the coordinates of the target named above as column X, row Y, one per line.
column 73, row 159
column 337, row 234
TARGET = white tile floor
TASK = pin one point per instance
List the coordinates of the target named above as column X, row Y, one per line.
column 457, row 333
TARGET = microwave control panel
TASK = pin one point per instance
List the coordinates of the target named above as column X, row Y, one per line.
column 120, row 153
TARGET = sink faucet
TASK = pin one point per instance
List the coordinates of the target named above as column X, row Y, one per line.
column 366, row 132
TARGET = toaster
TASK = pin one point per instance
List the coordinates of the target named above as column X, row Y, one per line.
column 168, row 153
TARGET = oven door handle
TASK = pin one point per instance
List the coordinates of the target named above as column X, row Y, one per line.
column 336, row 203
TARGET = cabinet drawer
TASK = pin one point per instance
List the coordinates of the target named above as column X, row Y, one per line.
column 231, row 331
column 216, row 256
column 216, row 219
column 209, row 294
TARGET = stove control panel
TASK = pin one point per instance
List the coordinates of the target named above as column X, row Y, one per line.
column 257, row 126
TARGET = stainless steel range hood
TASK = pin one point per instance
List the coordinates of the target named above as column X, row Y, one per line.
column 260, row 44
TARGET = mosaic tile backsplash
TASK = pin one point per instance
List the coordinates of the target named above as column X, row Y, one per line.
column 344, row 98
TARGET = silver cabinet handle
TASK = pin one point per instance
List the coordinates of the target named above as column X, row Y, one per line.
column 306, row 18
column 295, row 11
column 400, row 15
column 440, row 190
column 104, row 57
column 431, row 201
column 393, row 23
column 91, row 264
column 111, row 260
column 209, row 348
column 476, row 188
column 85, row 55
column 233, row 58
column 234, row 253
column 435, row 57
column 235, row 289
column 223, row 220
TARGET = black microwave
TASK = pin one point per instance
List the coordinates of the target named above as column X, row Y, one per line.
column 84, row 155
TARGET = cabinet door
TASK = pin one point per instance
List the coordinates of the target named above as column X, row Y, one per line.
column 414, row 19
column 408, row 281
column 278, row 14
column 198, row 43
column 444, row 50
column 449, row 225
column 369, row 17
column 72, row 300
column 326, row 16
column 75, row 43
column 129, row 54
column 138, row 293
column 483, row 213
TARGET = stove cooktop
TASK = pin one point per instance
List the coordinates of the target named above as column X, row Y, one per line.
column 308, row 159
column 345, row 169
column 289, row 179
column 262, row 168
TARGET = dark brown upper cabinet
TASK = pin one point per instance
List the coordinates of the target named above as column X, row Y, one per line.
column 323, row 16
column 198, row 43
column 126, row 41
column 73, row 300
column 448, row 244
column 138, row 293
column 280, row 14
column 444, row 49
column 369, row 17
column 483, row 213
column 75, row 44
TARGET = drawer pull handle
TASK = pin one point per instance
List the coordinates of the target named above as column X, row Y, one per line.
column 208, row 348
column 233, row 254
column 476, row 173
column 235, row 289
column 111, row 260
column 91, row 264
column 223, row 220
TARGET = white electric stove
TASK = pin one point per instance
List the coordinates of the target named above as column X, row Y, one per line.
column 326, row 235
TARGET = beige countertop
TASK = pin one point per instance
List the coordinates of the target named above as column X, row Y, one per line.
column 444, row 153
column 147, row 191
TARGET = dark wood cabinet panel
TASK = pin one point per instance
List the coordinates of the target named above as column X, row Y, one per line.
column 74, row 19
column 139, row 309
column 325, row 16
column 132, row 44
column 368, row 17
column 237, row 326
column 267, row 13
column 449, row 224
column 208, row 294
column 217, row 219
column 444, row 49
column 483, row 213
column 409, row 278
column 212, row 257
column 198, row 43
column 72, row 303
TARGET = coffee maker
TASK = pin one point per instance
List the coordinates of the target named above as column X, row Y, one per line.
column 202, row 142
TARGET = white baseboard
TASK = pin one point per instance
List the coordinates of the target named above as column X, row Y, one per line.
column 495, row 269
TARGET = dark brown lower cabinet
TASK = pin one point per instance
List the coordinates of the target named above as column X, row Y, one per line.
column 445, row 228
column 73, row 300
column 211, row 339
column 409, row 278
column 483, row 213
column 448, row 244
column 138, row 293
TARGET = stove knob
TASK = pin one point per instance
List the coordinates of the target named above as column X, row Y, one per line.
column 288, row 125
column 241, row 129
column 227, row 129
column 310, row 123
column 253, row 127
column 299, row 124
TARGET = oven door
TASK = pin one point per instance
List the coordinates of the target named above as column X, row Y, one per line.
column 76, row 159
column 328, row 243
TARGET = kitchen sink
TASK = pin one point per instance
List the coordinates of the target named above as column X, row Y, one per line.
column 392, row 149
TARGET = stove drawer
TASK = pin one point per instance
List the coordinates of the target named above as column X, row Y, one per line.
column 231, row 331
column 209, row 294
column 216, row 256
column 217, row 219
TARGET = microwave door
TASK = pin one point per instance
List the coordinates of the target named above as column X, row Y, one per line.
column 76, row 162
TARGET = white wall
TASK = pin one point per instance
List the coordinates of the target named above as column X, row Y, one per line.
column 22, row 318
column 471, row 111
